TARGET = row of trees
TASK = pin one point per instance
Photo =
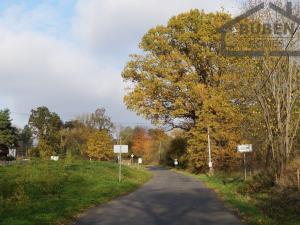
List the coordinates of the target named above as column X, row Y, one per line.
column 88, row 136
column 46, row 134
column 182, row 81
column 150, row 144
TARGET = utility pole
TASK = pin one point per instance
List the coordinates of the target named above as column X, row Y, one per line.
column 209, row 153
column 120, row 162
column 159, row 151
column 245, row 167
column 298, row 179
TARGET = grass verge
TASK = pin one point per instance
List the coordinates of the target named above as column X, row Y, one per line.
column 47, row 192
column 253, row 209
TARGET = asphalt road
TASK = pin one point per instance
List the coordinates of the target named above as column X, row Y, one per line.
column 168, row 198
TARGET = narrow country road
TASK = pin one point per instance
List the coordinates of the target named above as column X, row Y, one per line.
column 168, row 199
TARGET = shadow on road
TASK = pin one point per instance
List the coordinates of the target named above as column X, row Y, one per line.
column 168, row 199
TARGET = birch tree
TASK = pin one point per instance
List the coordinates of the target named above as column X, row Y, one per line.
column 275, row 82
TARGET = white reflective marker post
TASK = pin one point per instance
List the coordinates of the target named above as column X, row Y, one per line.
column 132, row 155
column 175, row 162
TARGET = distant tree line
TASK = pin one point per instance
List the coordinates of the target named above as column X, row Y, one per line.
column 89, row 136
column 45, row 135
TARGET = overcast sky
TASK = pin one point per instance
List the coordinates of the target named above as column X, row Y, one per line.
column 68, row 55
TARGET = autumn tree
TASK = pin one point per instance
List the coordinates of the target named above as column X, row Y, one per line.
column 177, row 58
column 178, row 78
column 25, row 140
column 99, row 146
column 223, row 121
column 275, row 93
column 78, row 134
column 177, row 149
column 126, row 136
column 46, row 125
column 74, row 138
column 269, row 90
column 97, row 120
column 159, row 144
column 141, row 142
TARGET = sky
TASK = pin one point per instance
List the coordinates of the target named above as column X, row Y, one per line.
column 68, row 55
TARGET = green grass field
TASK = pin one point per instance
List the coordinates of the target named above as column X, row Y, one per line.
column 242, row 205
column 261, row 208
column 55, row 192
column 271, row 207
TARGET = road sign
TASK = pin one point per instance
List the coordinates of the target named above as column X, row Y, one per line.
column 140, row 161
column 120, row 148
column 12, row 152
column 54, row 158
column 244, row 148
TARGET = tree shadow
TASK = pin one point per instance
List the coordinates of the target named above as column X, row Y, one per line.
column 163, row 201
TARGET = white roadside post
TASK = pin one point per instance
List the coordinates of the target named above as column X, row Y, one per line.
column 244, row 149
column 175, row 162
column 119, row 149
column 132, row 156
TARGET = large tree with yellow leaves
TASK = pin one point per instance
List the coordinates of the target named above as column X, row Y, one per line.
column 100, row 146
column 163, row 82
column 179, row 82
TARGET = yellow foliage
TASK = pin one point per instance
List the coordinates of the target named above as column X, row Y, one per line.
column 100, row 146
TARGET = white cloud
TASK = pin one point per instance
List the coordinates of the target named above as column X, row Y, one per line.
column 39, row 67
column 110, row 26
column 38, row 70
